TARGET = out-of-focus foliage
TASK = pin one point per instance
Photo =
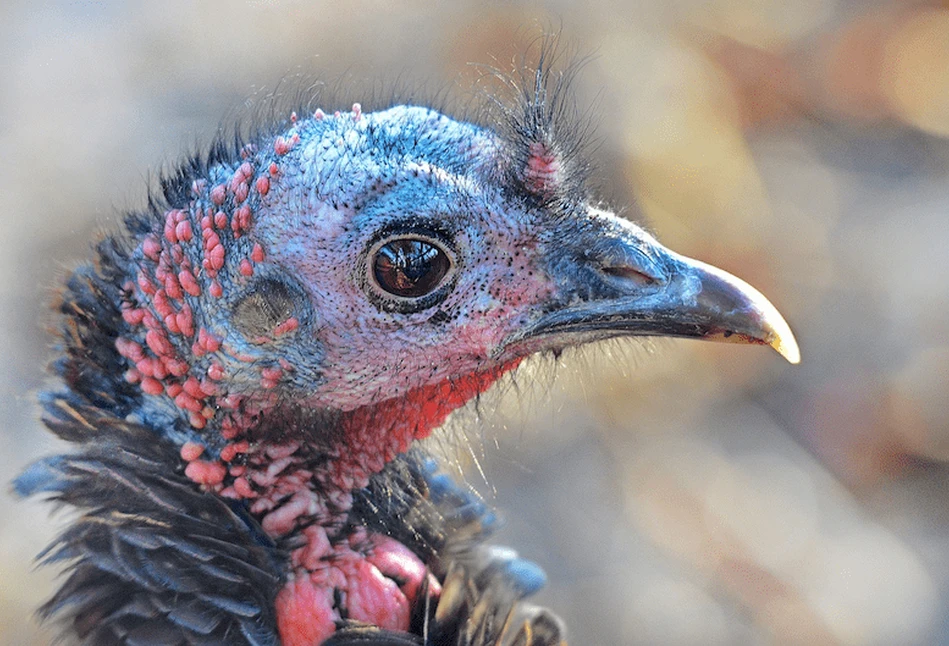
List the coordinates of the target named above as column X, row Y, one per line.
column 680, row 494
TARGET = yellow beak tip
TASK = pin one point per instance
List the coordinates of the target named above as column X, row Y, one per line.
column 787, row 347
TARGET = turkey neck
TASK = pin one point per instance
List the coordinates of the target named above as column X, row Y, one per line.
column 295, row 467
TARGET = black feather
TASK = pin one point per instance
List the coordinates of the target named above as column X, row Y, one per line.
column 154, row 559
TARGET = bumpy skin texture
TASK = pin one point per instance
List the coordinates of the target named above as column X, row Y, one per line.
column 245, row 369
column 242, row 397
column 166, row 563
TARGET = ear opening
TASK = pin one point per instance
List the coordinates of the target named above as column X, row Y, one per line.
column 269, row 308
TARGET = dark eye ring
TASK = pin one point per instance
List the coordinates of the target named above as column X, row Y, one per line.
column 410, row 266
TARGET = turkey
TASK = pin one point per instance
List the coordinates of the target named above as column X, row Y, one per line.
column 244, row 371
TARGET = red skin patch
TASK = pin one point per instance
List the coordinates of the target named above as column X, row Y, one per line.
column 241, row 193
column 377, row 578
column 177, row 367
column 152, row 386
column 173, row 287
column 185, row 321
column 158, row 343
column 542, row 173
column 151, row 247
column 287, row 326
column 183, row 231
column 368, row 447
column 241, row 221
column 241, row 486
column 129, row 349
column 231, row 451
column 189, row 283
column 270, row 377
column 218, row 194
column 146, row 285
column 133, row 316
column 305, row 615
column 366, row 581
column 187, row 402
column 193, row 388
column 216, row 371
column 397, row 562
column 293, row 493
column 206, row 473
column 191, row 451
column 214, row 254
column 282, row 146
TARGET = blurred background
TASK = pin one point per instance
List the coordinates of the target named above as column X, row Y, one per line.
column 677, row 492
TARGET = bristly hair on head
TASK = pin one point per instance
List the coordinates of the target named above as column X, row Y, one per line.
column 546, row 135
column 531, row 105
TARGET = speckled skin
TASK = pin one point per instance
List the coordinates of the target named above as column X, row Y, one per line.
column 302, row 210
column 322, row 215
column 238, row 348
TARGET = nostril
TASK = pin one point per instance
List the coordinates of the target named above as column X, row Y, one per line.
column 628, row 273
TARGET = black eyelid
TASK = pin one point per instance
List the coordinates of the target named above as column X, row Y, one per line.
column 391, row 301
column 415, row 227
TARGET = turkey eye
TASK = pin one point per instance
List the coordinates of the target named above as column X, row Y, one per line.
column 410, row 267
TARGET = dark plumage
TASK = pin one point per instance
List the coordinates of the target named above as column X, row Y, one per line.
column 245, row 368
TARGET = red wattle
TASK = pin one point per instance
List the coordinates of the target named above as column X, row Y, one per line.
column 305, row 615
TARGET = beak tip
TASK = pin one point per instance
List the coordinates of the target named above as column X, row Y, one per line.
column 780, row 337
column 759, row 321
column 778, row 333
column 787, row 347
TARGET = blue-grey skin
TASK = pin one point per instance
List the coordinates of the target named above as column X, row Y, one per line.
column 534, row 264
column 527, row 274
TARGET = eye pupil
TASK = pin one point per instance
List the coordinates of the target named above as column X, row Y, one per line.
column 410, row 267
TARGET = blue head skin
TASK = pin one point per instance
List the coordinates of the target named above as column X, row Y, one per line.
column 526, row 272
column 360, row 258
column 293, row 316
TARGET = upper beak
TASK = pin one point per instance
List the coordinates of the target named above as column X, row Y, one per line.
column 729, row 309
column 630, row 285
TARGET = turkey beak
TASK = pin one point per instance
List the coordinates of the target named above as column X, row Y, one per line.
column 724, row 308
column 627, row 284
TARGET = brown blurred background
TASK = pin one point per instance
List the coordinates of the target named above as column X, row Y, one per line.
column 676, row 493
